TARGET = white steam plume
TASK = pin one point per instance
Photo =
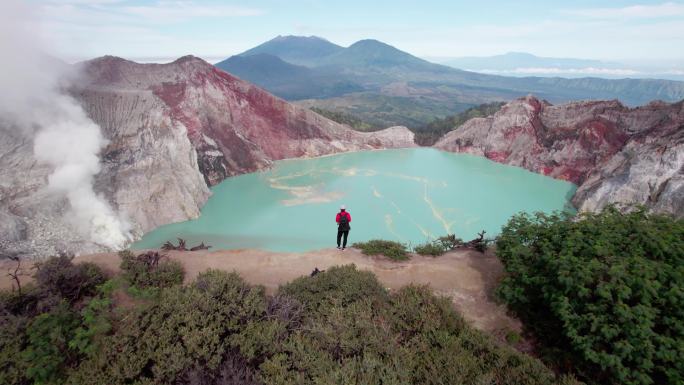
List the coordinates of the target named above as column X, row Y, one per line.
column 64, row 137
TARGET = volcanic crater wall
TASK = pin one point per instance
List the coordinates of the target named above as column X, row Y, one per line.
column 173, row 131
column 613, row 153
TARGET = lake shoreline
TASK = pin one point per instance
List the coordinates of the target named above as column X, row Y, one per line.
column 405, row 195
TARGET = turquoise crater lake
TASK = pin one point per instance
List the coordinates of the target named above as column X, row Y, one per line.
column 408, row 195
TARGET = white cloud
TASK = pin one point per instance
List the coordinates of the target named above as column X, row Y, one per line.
column 84, row 2
column 669, row 9
column 80, row 29
column 174, row 11
column 102, row 12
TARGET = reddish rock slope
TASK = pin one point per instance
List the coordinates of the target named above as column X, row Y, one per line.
column 235, row 126
column 613, row 153
column 232, row 127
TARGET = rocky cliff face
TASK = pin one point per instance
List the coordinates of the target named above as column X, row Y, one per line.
column 234, row 126
column 173, row 130
column 613, row 153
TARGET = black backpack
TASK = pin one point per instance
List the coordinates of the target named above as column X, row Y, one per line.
column 344, row 222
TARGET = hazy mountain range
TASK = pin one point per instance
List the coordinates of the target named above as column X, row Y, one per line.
column 526, row 64
column 387, row 86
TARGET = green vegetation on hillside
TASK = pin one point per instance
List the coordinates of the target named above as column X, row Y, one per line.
column 604, row 294
column 387, row 110
column 426, row 134
column 349, row 120
column 337, row 327
column 430, row 133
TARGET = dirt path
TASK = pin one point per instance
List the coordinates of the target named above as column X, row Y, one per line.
column 467, row 277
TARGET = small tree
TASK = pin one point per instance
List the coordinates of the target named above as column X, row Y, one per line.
column 16, row 273
column 60, row 276
column 150, row 269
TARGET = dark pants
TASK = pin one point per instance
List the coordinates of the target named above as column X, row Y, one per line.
column 340, row 233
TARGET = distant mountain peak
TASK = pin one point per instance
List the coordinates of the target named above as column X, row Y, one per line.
column 520, row 54
column 109, row 59
column 300, row 50
column 376, row 55
column 375, row 44
column 299, row 37
column 188, row 58
column 369, row 42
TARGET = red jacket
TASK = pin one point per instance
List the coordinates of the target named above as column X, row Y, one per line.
column 337, row 218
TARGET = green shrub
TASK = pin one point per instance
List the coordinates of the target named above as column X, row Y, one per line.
column 59, row 276
column 512, row 337
column 445, row 244
column 358, row 333
column 234, row 370
column 337, row 327
column 603, row 293
column 430, row 248
column 95, row 322
column 341, row 285
column 150, row 270
column 48, row 353
column 12, row 342
column 168, row 273
column 25, row 304
column 449, row 242
column 184, row 328
column 390, row 249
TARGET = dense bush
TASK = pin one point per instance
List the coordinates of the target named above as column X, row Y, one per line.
column 360, row 334
column 150, row 270
column 184, row 329
column 47, row 352
column 338, row 327
column 390, row 249
column 604, row 293
column 27, row 303
column 61, row 277
column 341, row 285
column 13, row 367
column 42, row 333
column 95, row 323
column 449, row 242
column 444, row 244
column 430, row 248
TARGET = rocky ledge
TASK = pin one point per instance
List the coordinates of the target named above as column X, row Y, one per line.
column 613, row 153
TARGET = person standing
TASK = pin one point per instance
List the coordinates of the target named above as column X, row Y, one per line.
column 343, row 219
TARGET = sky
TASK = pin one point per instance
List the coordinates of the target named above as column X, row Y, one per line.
column 648, row 32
